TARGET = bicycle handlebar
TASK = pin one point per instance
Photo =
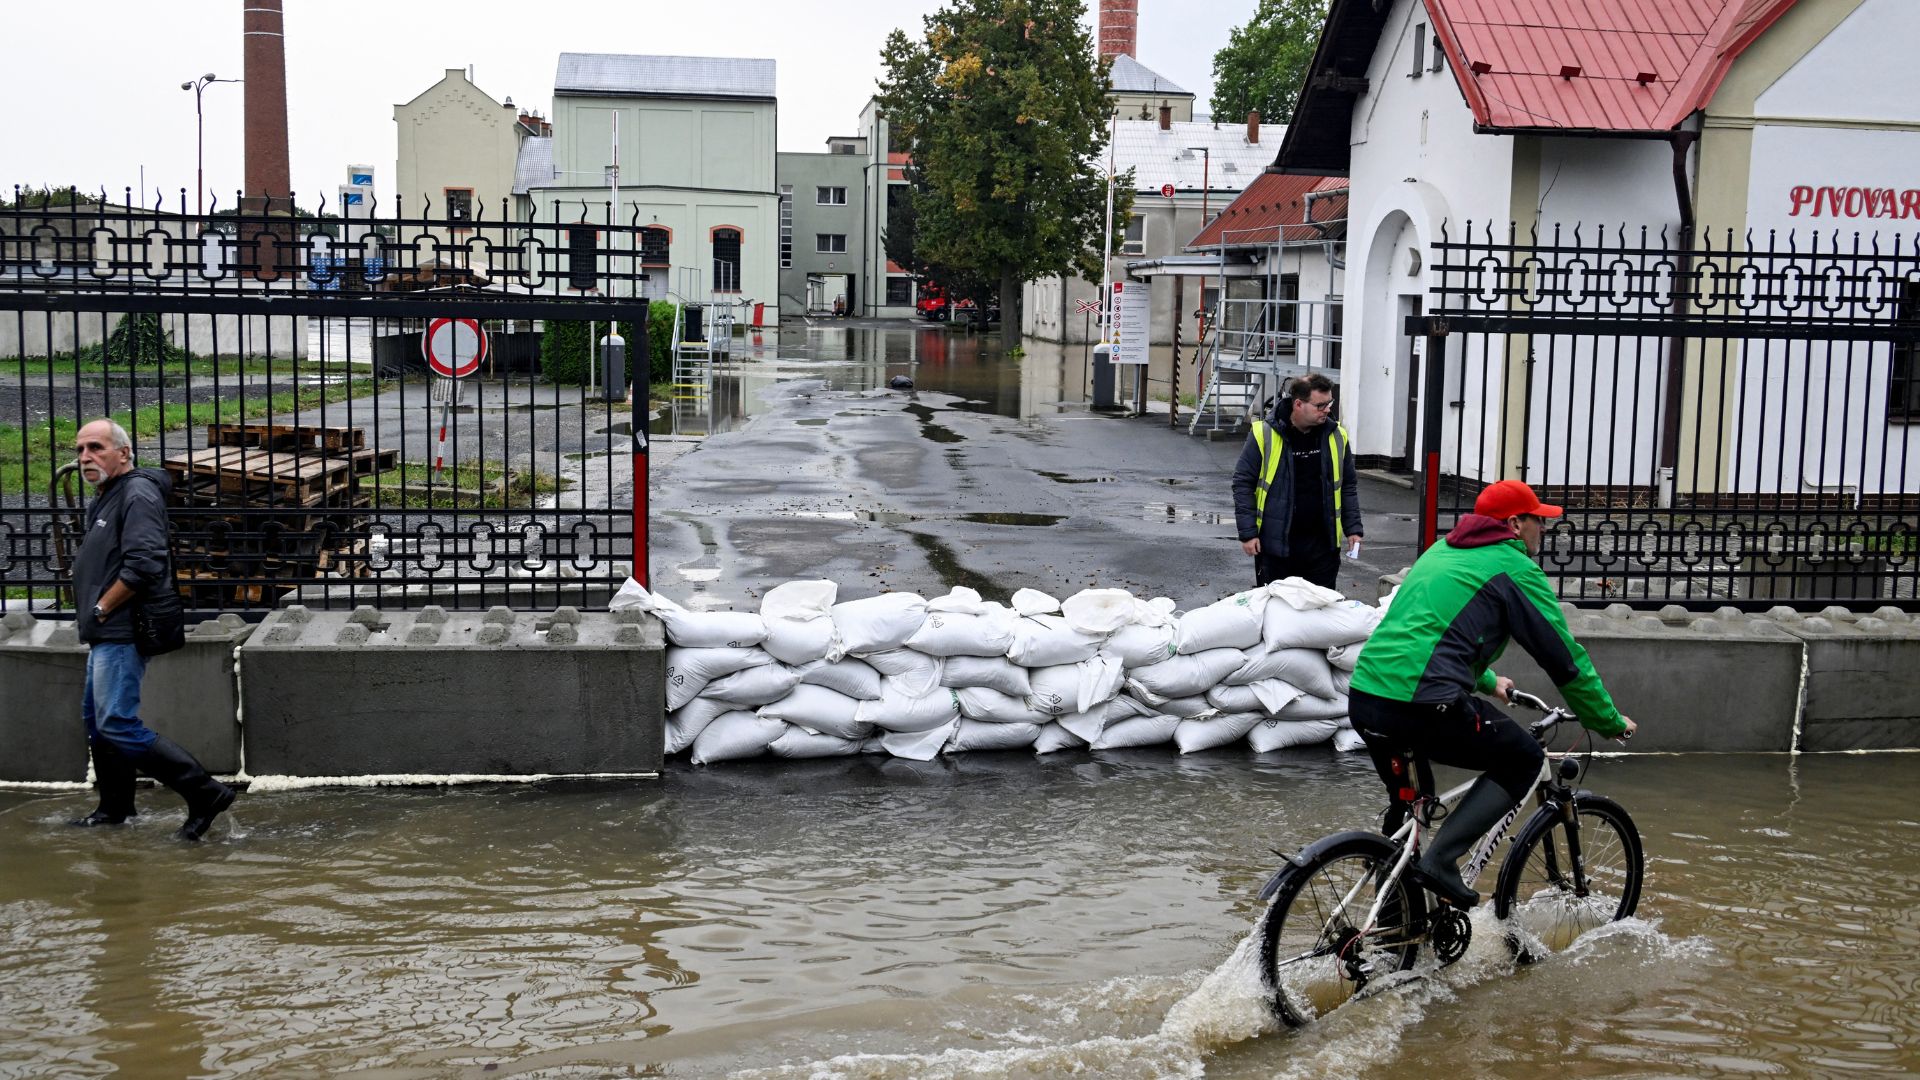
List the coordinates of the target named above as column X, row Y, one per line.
column 1555, row 714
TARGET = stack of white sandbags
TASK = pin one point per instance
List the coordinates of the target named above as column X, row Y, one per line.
column 897, row 674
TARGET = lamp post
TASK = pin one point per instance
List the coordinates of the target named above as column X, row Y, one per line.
column 199, row 87
column 1206, row 190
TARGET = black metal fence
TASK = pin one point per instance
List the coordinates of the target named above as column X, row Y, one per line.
column 1727, row 422
column 270, row 361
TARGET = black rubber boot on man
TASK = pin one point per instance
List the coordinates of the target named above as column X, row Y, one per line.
column 1439, row 867
column 114, row 775
column 167, row 762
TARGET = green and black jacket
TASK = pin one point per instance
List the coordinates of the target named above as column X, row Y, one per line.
column 1453, row 616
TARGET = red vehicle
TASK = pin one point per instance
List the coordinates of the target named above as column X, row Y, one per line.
column 934, row 306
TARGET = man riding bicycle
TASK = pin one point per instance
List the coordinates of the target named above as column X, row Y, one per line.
column 1414, row 685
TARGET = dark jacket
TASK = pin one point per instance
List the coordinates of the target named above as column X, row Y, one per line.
column 125, row 540
column 1277, row 520
column 1464, row 599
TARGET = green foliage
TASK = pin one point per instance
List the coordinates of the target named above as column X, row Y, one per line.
column 138, row 340
column 660, row 317
column 32, row 198
column 1002, row 106
column 566, row 350
column 1265, row 62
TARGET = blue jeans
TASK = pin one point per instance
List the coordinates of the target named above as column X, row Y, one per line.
column 111, row 704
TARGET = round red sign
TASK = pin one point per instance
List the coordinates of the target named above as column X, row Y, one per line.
column 454, row 347
column 1167, row 190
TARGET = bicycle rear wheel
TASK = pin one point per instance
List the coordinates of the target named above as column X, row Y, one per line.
column 1561, row 880
column 1313, row 956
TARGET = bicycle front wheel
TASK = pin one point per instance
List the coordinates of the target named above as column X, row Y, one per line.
column 1315, row 949
column 1565, row 877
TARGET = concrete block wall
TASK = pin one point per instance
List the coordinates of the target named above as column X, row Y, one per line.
column 43, row 670
column 1863, row 678
column 192, row 696
column 504, row 693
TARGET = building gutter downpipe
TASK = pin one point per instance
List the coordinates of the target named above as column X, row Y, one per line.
column 1682, row 142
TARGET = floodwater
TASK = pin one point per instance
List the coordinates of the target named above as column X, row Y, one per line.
column 988, row 915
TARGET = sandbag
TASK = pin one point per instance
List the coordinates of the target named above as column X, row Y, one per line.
column 1280, row 734
column 1139, row 731
column 992, row 672
column 1232, row 623
column 1183, row 676
column 819, row 710
column 991, row 706
column 854, row 678
column 735, row 735
column 798, row 743
column 1139, row 645
column 1033, row 602
column 1345, row 657
column 1099, row 611
column 754, row 686
column 1187, row 708
column 1266, row 697
column 1347, row 740
column 1065, row 688
column 1304, row 668
column 878, row 622
column 799, row 618
column 919, row 745
column 1342, row 682
column 689, row 670
column 913, row 672
column 1308, row 707
column 686, row 723
column 1214, row 731
column 1053, row 738
column 693, row 629
column 900, row 711
column 979, row 735
column 1085, row 726
column 1047, row 640
column 962, row 624
column 1321, row 628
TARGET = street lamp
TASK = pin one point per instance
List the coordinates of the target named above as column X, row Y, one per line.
column 199, row 86
column 1206, row 190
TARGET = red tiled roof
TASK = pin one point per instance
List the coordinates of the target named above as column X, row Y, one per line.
column 1597, row 65
column 1274, row 206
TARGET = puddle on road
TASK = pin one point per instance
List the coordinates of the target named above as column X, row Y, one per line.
column 815, row 422
column 946, row 564
column 930, row 430
column 894, row 517
column 1063, row 478
column 625, row 427
column 1166, row 512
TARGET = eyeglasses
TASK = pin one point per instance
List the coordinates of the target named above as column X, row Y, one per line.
column 1318, row 406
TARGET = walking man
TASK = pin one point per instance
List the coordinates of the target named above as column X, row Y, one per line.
column 1295, row 497
column 122, row 559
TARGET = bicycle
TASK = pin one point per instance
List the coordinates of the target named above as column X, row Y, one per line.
column 1345, row 920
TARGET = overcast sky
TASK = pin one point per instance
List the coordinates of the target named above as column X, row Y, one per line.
column 94, row 85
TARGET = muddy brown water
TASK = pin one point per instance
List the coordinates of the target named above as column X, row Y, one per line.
column 997, row 915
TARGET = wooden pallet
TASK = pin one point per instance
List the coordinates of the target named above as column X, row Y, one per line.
column 286, row 437
column 271, row 477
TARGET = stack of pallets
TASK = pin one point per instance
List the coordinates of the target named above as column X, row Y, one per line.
column 263, row 507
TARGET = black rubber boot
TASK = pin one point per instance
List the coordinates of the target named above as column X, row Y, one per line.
column 114, row 776
column 169, row 763
column 1439, row 866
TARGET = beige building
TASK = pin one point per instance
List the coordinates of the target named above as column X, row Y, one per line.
column 457, row 148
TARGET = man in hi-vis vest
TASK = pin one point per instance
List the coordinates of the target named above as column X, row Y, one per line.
column 1295, row 497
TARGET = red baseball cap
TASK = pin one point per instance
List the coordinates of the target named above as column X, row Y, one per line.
column 1508, row 498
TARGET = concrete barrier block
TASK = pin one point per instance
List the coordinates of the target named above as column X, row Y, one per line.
column 1863, row 680
column 191, row 696
column 1704, row 684
column 433, row 692
column 43, row 670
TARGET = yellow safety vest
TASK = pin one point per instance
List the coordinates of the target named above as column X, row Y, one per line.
column 1264, row 437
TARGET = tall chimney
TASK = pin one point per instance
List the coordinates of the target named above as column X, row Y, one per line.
column 1119, row 27
column 267, row 171
column 1166, row 118
column 1253, row 128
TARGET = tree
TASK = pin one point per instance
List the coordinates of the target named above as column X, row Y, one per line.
column 1001, row 105
column 1265, row 62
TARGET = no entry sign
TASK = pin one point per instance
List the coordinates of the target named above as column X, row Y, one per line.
column 454, row 347
column 1166, row 190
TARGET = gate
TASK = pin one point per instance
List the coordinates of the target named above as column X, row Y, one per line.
column 270, row 361
column 1726, row 423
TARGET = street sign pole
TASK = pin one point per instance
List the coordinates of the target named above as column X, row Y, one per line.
column 453, row 349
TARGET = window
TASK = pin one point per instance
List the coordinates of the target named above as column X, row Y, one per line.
column 786, row 226
column 726, row 259
column 1419, row 51
column 655, row 243
column 582, row 261
column 1439, row 56
column 1135, row 242
column 459, row 204
column 899, row 290
column 830, row 196
column 1903, row 391
column 830, row 243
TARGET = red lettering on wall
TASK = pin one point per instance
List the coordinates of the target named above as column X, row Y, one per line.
column 1852, row 202
column 1910, row 203
column 1802, row 195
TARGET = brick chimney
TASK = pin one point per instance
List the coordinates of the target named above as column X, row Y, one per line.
column 1119, row 27
column 267, row 170
column 1253, row 128
column 1166, row 118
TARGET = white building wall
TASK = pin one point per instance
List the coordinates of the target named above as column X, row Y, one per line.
column 454, row 135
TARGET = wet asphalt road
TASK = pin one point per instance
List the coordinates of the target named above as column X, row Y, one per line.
column 920, row 491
